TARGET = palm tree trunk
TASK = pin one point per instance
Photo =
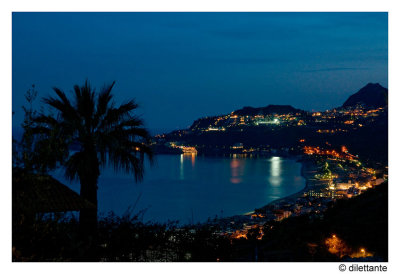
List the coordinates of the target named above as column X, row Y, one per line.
column 88, row 220
column 88, row 175
column 88, row 217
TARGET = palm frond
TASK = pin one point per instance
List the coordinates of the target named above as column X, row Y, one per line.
column 85, row 104
column 104, row 99
column 72, row 166
column 106, row 135
column 125, row 160
column 116, row 115
column 62, row 105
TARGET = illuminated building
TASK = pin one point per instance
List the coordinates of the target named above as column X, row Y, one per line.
column 237, row 146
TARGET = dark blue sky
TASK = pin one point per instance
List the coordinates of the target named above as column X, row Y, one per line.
column 182, row 66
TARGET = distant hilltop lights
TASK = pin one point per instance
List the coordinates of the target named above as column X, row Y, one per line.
column 343, row 119
column 368, row 103
column 185, row 149
column 216, row 129
column 354, row 114
column 343, row 154
column 228, row 130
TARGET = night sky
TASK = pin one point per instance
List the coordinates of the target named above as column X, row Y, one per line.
column 183, row 66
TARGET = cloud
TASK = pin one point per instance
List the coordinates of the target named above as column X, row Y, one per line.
column 252, row 60
column 334, row 69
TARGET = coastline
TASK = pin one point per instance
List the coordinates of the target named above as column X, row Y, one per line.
column 308, row 170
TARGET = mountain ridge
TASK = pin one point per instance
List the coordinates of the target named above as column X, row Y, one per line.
column 372, row 95
column 270, row 109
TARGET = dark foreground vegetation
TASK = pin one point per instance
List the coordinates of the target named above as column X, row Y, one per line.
column 359, row 222
column 57, row 238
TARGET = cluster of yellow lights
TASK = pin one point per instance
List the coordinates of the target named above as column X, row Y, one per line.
column 360, row 112
column 257, row 215
column 317, row 151
column 188, row 149
column 300, row 123
column 370, row 170
column 185, row 149
column 290, row 117
column 242, row 234
column 325, row 131
column 215, row 129
column 310, row 150
column 331, row 130
column 339, row 248
column 239, row 234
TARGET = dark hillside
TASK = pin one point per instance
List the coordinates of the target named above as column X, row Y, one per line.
column 371, row 96
column 360, row 222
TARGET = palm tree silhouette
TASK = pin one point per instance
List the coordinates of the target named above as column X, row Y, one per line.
column 101, row 135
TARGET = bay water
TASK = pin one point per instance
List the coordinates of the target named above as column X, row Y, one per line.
column 191, row 188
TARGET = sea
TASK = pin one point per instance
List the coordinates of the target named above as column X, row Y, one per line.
column 191, row 188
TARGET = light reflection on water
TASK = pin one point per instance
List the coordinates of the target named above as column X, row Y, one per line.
column 275, row 171
column 193, row 157
column 181, row 169
column 237, row 170
column 184, row 158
